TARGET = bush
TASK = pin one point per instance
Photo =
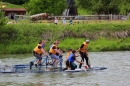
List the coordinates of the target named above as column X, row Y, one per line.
column 23, row 37
column 3, row 20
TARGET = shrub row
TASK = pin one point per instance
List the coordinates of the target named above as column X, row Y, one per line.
column 23, row 37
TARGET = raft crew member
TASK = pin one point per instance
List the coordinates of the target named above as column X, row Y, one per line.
column 70, row 61
column 38, row 51
column 57, row 43
column 43, row 44
column 84, row 54
column 68, row 54
column 53, row 51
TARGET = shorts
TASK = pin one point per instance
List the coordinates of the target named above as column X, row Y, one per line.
column 39, row 57
column 72, row 65
column 54, row 56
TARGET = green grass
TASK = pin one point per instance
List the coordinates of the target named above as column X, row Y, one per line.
column 9, row 5
column 83, row 11
column 71, row 43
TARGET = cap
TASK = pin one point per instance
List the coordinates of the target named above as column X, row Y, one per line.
column 87, row 40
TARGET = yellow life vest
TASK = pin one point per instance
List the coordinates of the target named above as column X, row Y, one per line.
column 68, row 54
column 84, row 47
column 38, row 50
column 52, row 50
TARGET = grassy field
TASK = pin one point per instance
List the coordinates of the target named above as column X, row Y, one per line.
column 9, row 5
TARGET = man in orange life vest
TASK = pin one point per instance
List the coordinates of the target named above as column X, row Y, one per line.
column 38, row 51
column 83, row 53
column 55, row 53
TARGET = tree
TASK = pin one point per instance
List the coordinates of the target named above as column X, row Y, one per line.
column 100, row 6
column 18, row 2
column 3, row 20
column 54, row 7
column 124, row 6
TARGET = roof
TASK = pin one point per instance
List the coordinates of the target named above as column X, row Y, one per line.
column 14, row 9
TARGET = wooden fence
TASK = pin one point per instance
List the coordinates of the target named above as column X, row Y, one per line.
column 81, row 17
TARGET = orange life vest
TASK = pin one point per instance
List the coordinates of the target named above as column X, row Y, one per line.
column 84, row 47
column 37, row 50
column 52, row 50
column 68, row 54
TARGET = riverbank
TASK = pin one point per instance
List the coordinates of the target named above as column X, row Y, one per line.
column 22, row 37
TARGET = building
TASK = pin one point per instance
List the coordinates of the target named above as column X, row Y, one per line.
column 17, row 11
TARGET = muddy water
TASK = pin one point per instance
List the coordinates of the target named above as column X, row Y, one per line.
column 117, row 74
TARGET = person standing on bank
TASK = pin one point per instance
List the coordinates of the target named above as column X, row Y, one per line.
column 70, row 21
column 64, row 21
column 84, row 54
column 56, row 21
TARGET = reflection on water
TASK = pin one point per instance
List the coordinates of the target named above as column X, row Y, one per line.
column 117, row 74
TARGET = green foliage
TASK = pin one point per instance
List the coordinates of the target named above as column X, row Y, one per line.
column 82, row 11
column 73, row 43
column 23, row 37
column 19, row 49
column 124, row 6
column 3, row 20
column 105, row 6
column 7, row 34
column 103, row 44
column 54, row 7
column 18, row 2
column 9, row 5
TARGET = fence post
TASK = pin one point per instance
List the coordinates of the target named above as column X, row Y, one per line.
column 111, row 16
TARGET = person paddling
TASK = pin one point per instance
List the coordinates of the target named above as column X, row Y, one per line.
column 84, row 54
column 70, row 61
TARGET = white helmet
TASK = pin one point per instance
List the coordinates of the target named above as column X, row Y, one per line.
column 87, row 40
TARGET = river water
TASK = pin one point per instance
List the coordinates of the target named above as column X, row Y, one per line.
column 117, row 74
